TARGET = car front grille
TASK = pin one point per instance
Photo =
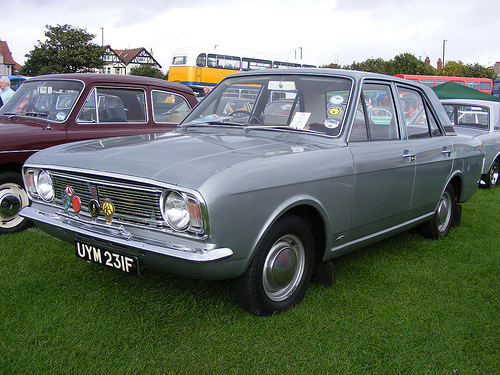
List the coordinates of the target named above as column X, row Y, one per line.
column 134, row 203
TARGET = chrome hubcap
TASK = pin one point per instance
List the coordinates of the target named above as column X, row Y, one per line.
column 283, row 268
column 494, row 174
column 444, row 212
column 12, row 199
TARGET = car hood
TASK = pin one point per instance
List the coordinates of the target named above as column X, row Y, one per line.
column 25, row 133
column 172, row 158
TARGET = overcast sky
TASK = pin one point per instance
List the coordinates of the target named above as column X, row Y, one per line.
column 340, row 31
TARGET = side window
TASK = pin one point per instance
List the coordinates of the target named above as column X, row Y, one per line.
column 168, row 107
column 419, row 120
column 375, row 118
column 108, row 105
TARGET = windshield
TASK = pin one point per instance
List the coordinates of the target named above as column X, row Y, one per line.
column 49, row 99
column 301, row 102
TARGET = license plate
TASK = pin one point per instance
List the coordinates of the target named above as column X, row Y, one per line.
column 125, row 263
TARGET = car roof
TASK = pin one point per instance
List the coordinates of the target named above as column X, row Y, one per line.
column 473, row 102
column 93, row 78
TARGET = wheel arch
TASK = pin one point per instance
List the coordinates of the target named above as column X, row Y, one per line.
column 314, row 216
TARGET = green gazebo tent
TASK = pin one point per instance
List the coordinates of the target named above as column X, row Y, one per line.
column 452, row 90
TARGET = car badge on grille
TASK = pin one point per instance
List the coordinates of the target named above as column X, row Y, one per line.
column 93, row 190
column 108, row 208
column 68, row 195
column 94, row 209
column 77, row 205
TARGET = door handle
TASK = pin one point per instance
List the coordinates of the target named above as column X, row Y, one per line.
column 407, row 155
column 447, row 152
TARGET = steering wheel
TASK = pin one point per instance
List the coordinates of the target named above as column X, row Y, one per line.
column 28, row 107
column 243, row 112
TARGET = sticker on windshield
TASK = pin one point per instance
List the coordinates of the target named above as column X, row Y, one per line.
column 332, row 123
column 334, row 111
column 299, row 120
column 337, row 99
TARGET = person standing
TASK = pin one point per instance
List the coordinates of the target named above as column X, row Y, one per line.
column 6, row 91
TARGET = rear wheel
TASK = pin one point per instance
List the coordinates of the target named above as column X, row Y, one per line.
column 280, row 271
column 13, row 197
column 491, row 178
column 442, row 221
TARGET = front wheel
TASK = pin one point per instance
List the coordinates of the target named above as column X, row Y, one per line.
column 443, row 218
column 280, row 271
column 491, row 178
column 13, row 197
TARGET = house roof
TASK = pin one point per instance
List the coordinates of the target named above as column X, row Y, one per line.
column 7, row 55
column 127, row 54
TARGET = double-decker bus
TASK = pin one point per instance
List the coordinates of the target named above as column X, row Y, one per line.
column 496, row 88
column 197, row 67
column 481, row 84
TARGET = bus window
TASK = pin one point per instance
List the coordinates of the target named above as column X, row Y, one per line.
column 201, row 60
column 281, row 64
column 255, row 64
column 440, row 82
column 179, row 60
column 427, row 82
column 472, row 84
column 223, row 62
column 485, row 86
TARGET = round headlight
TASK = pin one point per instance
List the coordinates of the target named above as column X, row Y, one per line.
column 44, row 186
column 175, row 211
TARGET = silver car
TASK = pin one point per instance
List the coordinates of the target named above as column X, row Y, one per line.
column 267, row 194
column 479, row 119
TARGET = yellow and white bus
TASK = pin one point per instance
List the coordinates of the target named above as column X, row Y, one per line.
column 198, row 67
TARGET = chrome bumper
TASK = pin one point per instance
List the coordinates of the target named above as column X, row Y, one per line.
column 120, row 236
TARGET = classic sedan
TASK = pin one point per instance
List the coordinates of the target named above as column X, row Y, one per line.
column 479, row 119
column 267, row 204
column 53, row 109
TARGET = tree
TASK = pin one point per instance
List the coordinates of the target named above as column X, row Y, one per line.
column 370, row 65
column 407, row 63
column 148, row 71
column 66, row 50
column 459, row 69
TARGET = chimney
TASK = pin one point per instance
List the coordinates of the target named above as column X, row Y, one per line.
column 427, row 61
column 439, row 63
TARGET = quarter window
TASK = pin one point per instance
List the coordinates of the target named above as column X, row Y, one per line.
column 420, row 123
column 108, row 105
column 169, row 107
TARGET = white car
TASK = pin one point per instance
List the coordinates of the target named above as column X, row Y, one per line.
column 479, row 119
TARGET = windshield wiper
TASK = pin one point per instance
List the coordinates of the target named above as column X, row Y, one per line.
column 36, row 114
column 281, row 127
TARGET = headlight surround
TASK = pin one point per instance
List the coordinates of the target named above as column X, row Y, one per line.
column 43, row 185
column 175, row 211
column 181, row 212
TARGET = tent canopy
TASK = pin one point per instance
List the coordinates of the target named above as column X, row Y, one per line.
column 452, row 90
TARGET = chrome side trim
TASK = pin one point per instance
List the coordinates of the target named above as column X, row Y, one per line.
column 120, row 236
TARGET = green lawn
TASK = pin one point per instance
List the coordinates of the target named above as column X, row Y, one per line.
column 403, row 306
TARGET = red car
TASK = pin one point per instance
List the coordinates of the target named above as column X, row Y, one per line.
column 59, row 108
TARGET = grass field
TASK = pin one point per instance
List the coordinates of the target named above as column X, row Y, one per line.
column 403, row 306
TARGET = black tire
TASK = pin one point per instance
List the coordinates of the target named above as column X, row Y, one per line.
column 491, row 178
column 13, row 197
column 280, row 271
column 443, row 218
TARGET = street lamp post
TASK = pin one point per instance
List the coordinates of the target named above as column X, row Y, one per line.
column 444, row 47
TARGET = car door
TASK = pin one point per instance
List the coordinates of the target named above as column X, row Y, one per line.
column 433, row 151
column 384, row 164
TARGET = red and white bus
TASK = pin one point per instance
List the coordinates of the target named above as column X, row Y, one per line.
column 481, row 84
